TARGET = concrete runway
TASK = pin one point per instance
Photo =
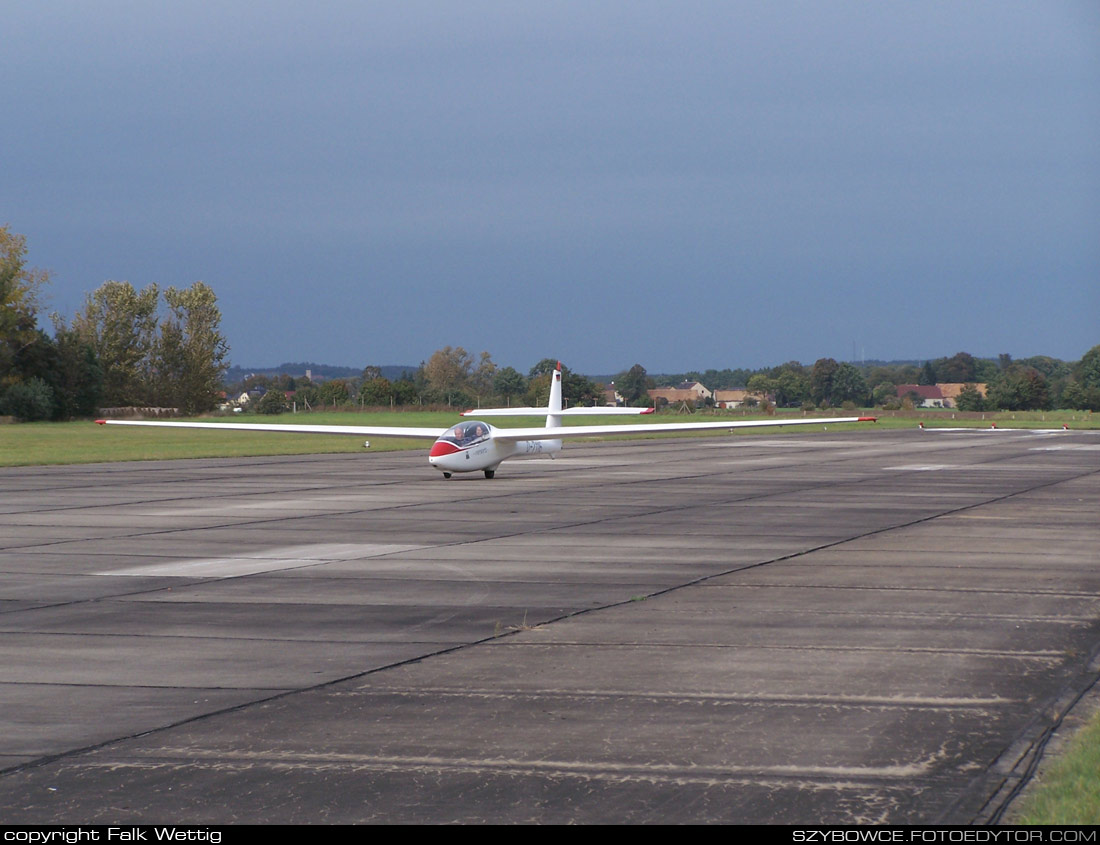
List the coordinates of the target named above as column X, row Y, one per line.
column 871, row 626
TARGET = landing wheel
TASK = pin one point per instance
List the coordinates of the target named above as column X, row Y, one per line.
column 446, row 475
column 489, row 473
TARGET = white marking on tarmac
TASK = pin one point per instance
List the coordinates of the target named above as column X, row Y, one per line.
column 588, row 769
column 263, row 560
column 923, row 467
column 223, row 508
column 1084, row 447
column 799, row 699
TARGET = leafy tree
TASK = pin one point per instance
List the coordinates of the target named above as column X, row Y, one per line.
column 762, row 384
column 927, row 374
column 1087, row 371
column 334, row 392
column 538, row 390
column 821, row 380
column 985, row 370
column 1082, row 389
column 20, row 289
column 308, row 395
column 849, row 386
column 481, row 379
column 370, row 372
column 448, row 373
column 1019, row 388
column 272, row 402
column 579, row 390
column 28, row 400
column 61, row 377
column 884, row 392
column 970, row 399
column 69, row 366
column 509, row 383
column 1079, row 397
column 633, row 386
column 543, row 367
column 189, row 353
column 35, row 358
column 120, row 325
column 792, row 385
column 726, row 379
column 961, row 367
column 1051, row 368
column 575, row 388
column 877, row 374
column 404, row 392
column 377, row 391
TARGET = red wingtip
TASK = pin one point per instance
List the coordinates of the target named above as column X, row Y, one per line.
column 1065, row 426
column 867, row 419
column 101, row 422
column 649, row 410
column 559, row 366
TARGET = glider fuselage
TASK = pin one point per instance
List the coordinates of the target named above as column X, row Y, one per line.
column 471, row 447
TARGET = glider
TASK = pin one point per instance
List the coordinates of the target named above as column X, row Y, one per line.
column 476, row 446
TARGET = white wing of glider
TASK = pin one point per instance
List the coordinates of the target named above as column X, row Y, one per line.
column 558, row 433
column 355, row 430
column 507, row 435
column 992, row 429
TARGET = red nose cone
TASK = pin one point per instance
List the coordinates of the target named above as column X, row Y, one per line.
column 441, row 448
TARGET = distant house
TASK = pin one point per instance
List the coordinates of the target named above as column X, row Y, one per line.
column 695, row 387
column 952, row 389
column 929, row 394
column 944, row 395
column 692, row 392
column 251, row 395
column 737, row 398
column 672, row 395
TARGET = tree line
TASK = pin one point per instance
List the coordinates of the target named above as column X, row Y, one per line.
column 451, row 377
column 1036, row 383
column 164, row 348
column 124, row 347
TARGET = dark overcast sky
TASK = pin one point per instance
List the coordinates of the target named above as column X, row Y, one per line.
column 685, row 185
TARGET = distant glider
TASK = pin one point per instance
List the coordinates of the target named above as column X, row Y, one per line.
column 476, row 446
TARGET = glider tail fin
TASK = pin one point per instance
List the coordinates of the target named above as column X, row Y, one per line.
column 553, row 408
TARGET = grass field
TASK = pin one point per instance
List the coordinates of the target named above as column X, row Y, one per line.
column 32, row 444
column 1068, row 791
